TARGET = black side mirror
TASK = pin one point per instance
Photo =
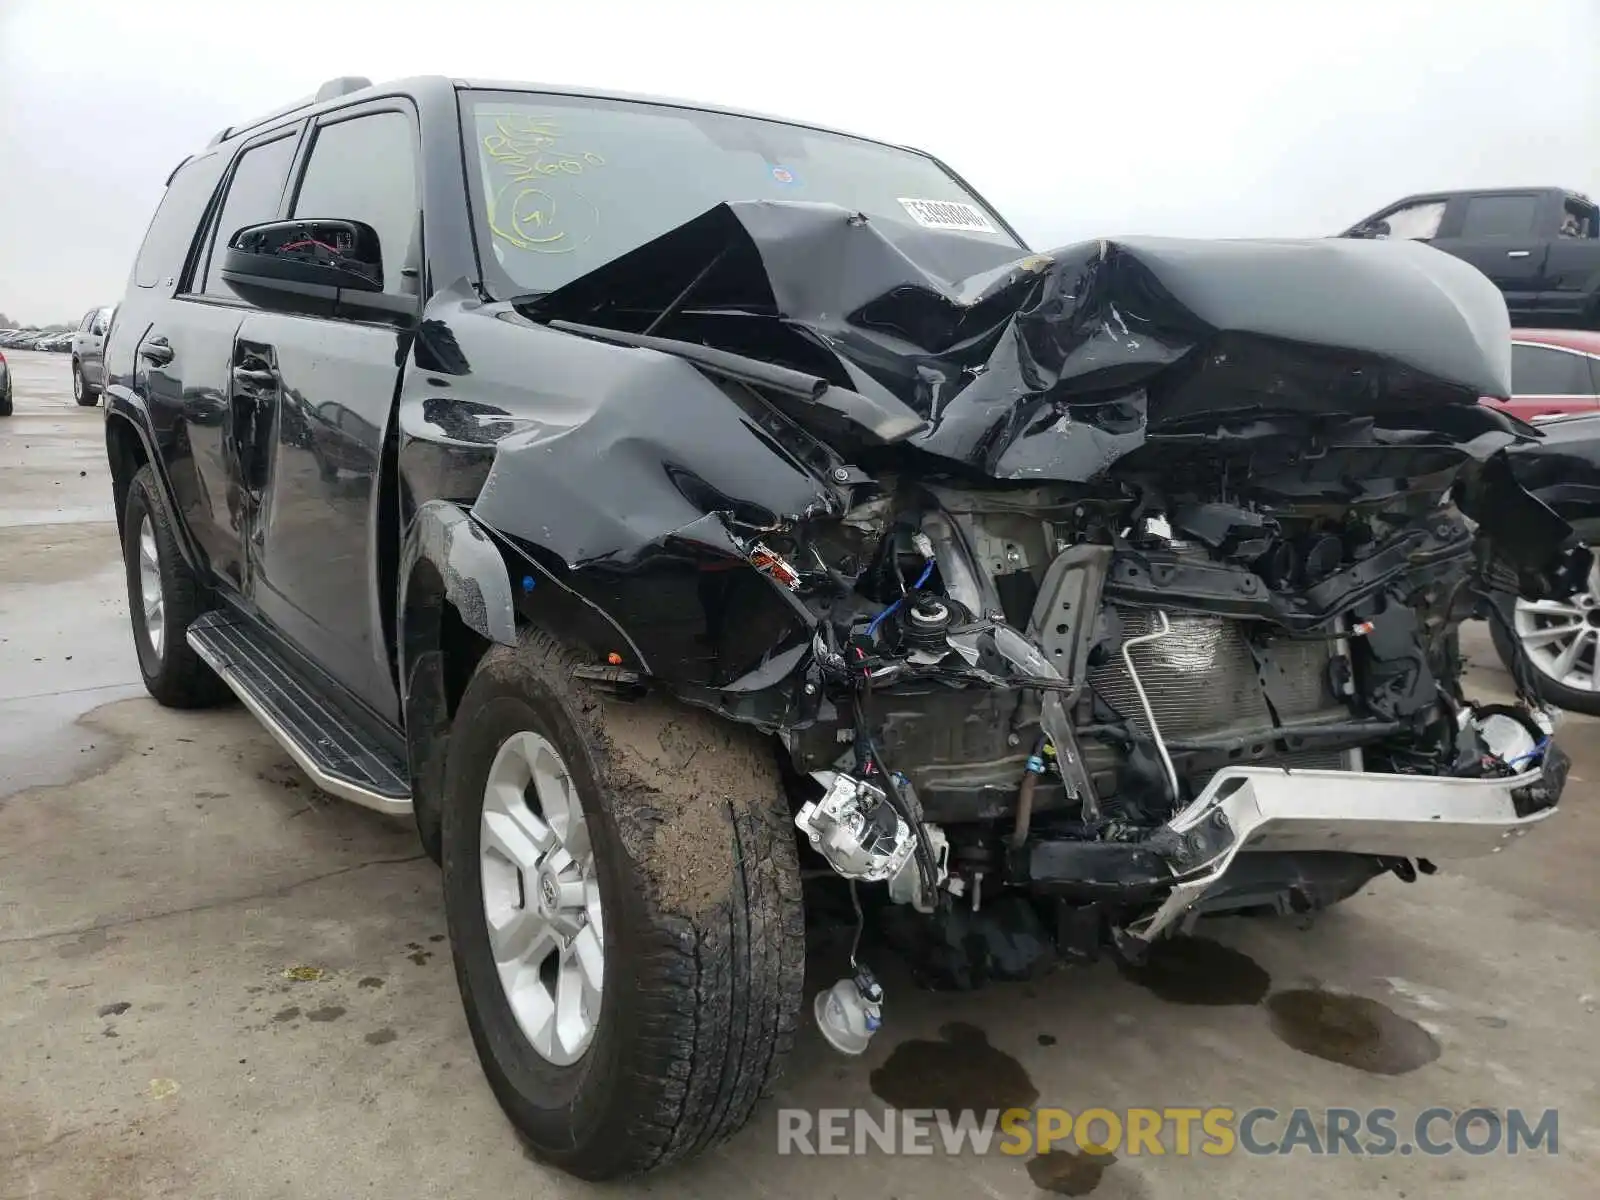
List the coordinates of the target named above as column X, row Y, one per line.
column 336, row 254
column 329, row 261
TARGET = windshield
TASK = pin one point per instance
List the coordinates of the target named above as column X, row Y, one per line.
column 563, row 184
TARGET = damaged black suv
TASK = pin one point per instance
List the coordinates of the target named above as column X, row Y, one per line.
column 656, row 500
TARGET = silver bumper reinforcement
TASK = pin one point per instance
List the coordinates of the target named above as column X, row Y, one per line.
column 1249, row 809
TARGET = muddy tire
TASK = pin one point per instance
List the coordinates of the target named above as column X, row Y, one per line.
column 163, row 598
column 695, row 895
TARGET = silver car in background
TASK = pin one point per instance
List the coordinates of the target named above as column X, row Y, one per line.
column 88, row 355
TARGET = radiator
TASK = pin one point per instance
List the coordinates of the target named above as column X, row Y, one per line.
column 1203, row 680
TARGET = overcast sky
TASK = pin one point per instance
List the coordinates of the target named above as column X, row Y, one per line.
column 1229, row 118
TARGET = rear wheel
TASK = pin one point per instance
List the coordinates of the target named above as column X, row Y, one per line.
column 85, row 393
column 623, row 899
column 5, row 397
column 163, row 598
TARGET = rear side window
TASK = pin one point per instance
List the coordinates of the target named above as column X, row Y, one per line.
column 364, row 169
column 1499, row 216
column 1578, row 220
column 171, row 233
column 254, row 193
column 88, row 320
column 1537, row 371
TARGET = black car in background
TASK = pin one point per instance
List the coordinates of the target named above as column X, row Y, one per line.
column 1539, row 246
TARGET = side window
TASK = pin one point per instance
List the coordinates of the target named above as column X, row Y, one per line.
column 171, row 233
column 98, row 323
column 1537, row 371
column 88, row 320
column 1416, row 220
column 364, row 169
column 1499, row 216
column 254, row 194
column 1578, row 220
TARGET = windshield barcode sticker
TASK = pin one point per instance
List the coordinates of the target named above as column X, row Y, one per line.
column 947, row 214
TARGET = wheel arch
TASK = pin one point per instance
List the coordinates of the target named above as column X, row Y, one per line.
column 131, row 443
column 454, row 603
column 126, row 452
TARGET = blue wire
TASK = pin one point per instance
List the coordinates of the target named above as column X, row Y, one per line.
column 881, row 617
column 1543, row 745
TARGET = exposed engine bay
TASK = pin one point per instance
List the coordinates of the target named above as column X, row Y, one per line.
column 1078, row 576
column 1078, row 682
column 1047, row 691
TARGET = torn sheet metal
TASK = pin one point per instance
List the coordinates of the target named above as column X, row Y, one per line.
column 1052, row 367
column 470, row 569
column 592, row 453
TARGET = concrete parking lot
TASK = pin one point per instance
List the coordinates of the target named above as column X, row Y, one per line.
column 217, row 982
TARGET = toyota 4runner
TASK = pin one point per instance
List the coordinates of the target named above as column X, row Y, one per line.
column 653, row 500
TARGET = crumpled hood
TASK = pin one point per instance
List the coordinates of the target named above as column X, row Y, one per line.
column 1053, row 366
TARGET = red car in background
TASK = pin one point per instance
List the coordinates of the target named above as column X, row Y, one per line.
column 1553, row 372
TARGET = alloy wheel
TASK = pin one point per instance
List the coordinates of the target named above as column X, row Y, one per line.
column 150, row 596
column 1562, row 637
column 541, row 898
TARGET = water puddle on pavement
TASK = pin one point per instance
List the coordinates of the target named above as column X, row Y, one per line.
column 1190, row 970
column 962, row 1071
column 1352, row 1030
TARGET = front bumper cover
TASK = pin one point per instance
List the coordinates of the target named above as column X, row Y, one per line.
column 1254, row 809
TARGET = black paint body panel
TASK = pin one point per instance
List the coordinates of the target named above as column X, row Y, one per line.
column 350, row 481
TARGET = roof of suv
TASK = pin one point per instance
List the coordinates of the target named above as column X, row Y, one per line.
column 667, row 101
column 346, row 88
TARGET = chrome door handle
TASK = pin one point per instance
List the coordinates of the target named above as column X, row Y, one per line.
column 157, row 350
column 1518, row 253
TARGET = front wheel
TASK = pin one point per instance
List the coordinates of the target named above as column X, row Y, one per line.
column 623, row 898
column 1561, row 639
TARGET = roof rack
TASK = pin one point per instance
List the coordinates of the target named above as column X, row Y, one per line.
column 342, row 86
column 332, row 90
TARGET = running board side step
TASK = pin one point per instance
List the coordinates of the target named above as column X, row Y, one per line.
column 340, row 757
